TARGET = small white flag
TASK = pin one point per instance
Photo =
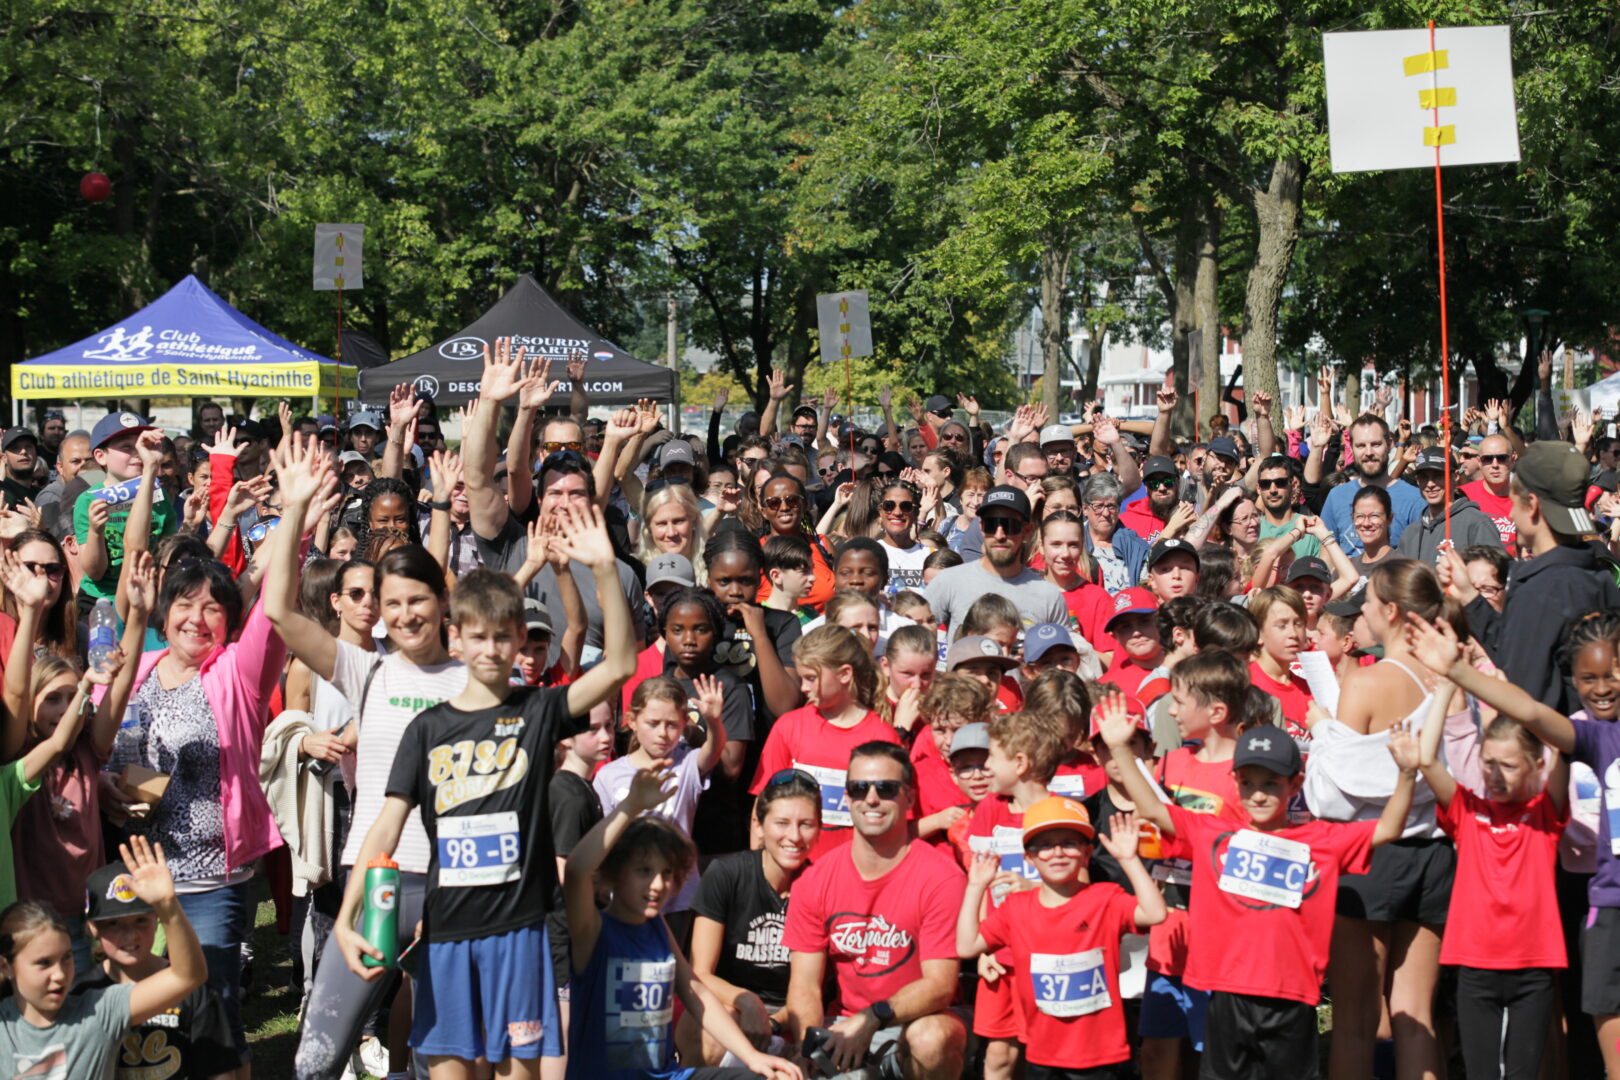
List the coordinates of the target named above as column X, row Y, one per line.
column 845, row 324
column 339, row 251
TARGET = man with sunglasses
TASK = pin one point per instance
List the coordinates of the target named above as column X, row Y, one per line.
column 1148, row 517
column 882, row 911
column 1492, row 492
column 1005, row 520
column 1279, row 505
column 1469, row 525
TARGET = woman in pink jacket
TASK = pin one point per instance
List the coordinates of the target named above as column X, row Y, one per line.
column 197, row 715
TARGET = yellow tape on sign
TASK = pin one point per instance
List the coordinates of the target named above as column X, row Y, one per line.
column 1440, row 98
column 1440, row 136
column 1429, row 61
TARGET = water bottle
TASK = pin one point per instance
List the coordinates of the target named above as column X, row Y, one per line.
column 381, row 923
column 103, row 634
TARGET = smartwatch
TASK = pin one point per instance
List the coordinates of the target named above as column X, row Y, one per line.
column 884, row 1013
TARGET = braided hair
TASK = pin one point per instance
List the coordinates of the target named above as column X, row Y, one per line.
column 385, row 485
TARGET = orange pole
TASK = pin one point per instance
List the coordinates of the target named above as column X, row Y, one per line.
column 1445, row 343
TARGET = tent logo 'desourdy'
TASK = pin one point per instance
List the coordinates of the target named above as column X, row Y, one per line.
column 463, row 348
column 426, row 384
column 119, row 346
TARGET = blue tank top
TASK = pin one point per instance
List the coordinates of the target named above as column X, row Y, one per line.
column 622, row 1021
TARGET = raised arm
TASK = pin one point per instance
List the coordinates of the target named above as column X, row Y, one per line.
column 139, row 581
column 306, row 476
column 584, row 539
column 29, row 591
column 534, row 392
column 777, row 389
column 1117, row 727
column 445, row 471
column 621, row 429
column 501, row 379
column 1121, row 842
column 829, row 401
column 1435, row 645
column 711, row 702
column 401, row 433
column 579, row 405
column 188, row 968
column 1345, row 578
column 1159, row 442
column 647, row 790
column 1270, row 552
column 981, row 872
column 138, row 525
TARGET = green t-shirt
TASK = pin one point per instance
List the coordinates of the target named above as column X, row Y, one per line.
column 14, row 791
column 163, row 523
column 1304, row 547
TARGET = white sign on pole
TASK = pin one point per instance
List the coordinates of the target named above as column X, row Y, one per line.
column 1385, row 86
column 845, row 324
column 339, row 253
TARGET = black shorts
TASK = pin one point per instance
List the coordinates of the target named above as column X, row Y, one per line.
column 1258, row 1038
column 1600, row 962
column 1122, row 1071
column 1410, row 881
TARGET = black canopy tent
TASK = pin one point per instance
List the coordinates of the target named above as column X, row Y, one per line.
column 450, row 370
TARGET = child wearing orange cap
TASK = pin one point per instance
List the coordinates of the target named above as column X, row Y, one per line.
column 1064, row 938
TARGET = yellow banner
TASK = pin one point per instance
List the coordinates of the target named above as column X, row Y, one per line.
column 302, row 379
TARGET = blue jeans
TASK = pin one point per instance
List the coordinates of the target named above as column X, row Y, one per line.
column 222, row 917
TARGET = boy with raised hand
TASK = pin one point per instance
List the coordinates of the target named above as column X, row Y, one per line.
column 1064, row 939
column 1025, row 749
column 1263, row 898
column 126, row 448
column 478, row 766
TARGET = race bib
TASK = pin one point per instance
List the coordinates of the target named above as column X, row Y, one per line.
column 1068, row 785
column 1588, row 792
column 1267, row 868
column 1070, row 984
column 834, row 799
column 479, row 849
column 1611, row 804
column 1007, row 843
column 640, row 1003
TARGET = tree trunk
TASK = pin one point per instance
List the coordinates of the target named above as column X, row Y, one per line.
column 1184, row 310
column 798, row 350
column 1054, row 326
column 1277, row 212
column 1209, row 324
column 1493, row 382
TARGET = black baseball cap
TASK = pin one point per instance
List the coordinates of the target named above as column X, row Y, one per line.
column 1159, row 465
column 1170, row 547
column 1269, row 747
column 940, row 404
column 1006, row 498
column 1430, row 459
column 1347, row 607
column 16, row 434
column 1557, row 475
column 110, row 894
column 1224, row 447
column 1309, row 566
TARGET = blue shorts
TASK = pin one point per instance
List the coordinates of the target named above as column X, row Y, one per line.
column 1173, row 1010
column 491, row 997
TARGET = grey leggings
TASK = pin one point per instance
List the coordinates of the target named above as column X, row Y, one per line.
column 341, row 1001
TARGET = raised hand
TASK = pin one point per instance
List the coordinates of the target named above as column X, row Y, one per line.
column 1105, row 430
column 537, row 385
column 845, row 492
column 149, row 448
column 647, row 418
column 1114, row 723
column 1321, row 428
column 148, row 871
column 885, row 397
column 141, row 590
column 647, row 787
column 401, row 406
column 1495, row 410
column 1404, row 749
column 1022, row 426
column 29, row 589
column 1181, row 519
column 1385, row 395
column 1294, row 417
column 584, row 538
column 1544, row 366
column 829, row 399
column 1581, row 426
column 1260, row 404
column 446, row 472
column 576, row 367
column 1122, row 839
column 302, row 469
column 777, row 385
column 503, row 372
column 984, row 867
column 224, row 443
column 1433, row 643
column 711, row 698
column 1167, row 393
column 968, row 404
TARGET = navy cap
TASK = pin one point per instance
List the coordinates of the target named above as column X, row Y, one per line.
column 1005, row 498
column 113, row 425
column 1038, row 639
column 1170, row 547
column 1224, row 447
column 940, row 404
column 1308, row 566
column 1269, row 747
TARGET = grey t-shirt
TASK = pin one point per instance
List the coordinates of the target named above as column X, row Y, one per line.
column 953, row 592
column 506, row 553
column 82, row 1044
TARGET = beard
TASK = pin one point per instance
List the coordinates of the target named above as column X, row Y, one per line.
column 1373, row 470
column 1002, row 557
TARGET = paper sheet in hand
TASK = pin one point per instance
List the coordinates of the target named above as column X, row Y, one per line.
column 1320, row 677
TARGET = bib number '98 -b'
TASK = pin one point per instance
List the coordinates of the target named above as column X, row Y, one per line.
column 480, row 849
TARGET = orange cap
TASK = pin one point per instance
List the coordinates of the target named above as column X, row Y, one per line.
column 382, row 862
column 1056, row 812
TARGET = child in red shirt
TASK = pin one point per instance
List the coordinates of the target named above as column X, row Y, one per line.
column 970, row 767
column 994, row 616
column 1064, row 695
column 1508, row 952
column 840, row 681
column 1064, row 937
column 1279, row 612
column 1263, row 898
column 983, row 658
column 1135, row 625
column 951, row 703
column 1025, row 749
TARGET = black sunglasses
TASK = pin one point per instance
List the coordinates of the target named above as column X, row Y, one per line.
column 52, row 570
column 783, row 502
column 1274, row 482
column 1495, row 459
column 886, row 789
column 1162, row 483
column 1000, row 523
column 355, row 594
column 905, row 506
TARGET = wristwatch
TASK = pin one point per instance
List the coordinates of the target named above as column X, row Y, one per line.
column 884, row 1013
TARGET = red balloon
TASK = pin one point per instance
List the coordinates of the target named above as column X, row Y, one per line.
column 95, row 187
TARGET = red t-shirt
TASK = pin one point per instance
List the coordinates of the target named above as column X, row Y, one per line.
column 997, row 827
column 1079, row 778
column 1294, row 697
column 936, row 787
column 649, row 663
column 1263, row 903
column 1202, row 787
column 1499, row 508
column 802, row 739
column 1140, row 520
column 876, row 934
column 1129, row 675
column 1009, row 695
column 1067, row 973
column 1504, row 886
column 1090, row 607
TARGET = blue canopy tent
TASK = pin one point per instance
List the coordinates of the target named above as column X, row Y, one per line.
column 186, row 343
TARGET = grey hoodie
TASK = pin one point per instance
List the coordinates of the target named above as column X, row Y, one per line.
column 1469, row 526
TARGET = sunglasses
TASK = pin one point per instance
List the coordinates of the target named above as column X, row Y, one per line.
column 355, row 595
column 263, row 529
column 1274, row 482
column 997, row 523
column 1162, row 483
column 1496, row 459
column 827, row 470
column 557, row 457
column 954, row 436
column 886, row 789
column 52, row 570
column 556, row 447
column 787, row 775
column 783, row 502
column 905, row 506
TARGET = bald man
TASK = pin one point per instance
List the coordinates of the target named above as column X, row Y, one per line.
column 72, row 458
column 1490, row 491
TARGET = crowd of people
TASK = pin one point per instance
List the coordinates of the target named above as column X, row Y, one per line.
column 1067, row 751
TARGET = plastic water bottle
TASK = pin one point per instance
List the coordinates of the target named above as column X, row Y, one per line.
column 381, row 922
column 103, row 634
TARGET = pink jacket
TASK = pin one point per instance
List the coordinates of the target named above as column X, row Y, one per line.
column 237, row 680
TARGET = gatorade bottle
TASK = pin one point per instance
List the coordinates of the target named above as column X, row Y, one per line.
column 381, row 925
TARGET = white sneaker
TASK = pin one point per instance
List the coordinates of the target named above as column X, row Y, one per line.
column 373, row 1057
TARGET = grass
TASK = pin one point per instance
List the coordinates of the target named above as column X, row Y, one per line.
column 270, row 1010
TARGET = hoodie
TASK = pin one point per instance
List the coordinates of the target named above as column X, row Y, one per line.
column 1469, row 526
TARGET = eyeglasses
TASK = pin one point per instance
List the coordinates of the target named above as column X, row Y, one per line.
column 1028, row 479
column 354, row 595
column 1040, row 845
column 997, row 523
column 1162, row 483
column 905, row 506
column 1489, row 591
column 555, row 447
column 886, row 789
column 263, row 529
column 52, row 570
column 964, row 769
column 1274, row 482
column 1495, row 459
column 783, row 502
column 1103, row 507
column 1367, row 519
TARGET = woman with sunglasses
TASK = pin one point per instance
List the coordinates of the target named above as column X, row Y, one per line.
column 898, row 505
column 740, row 909
column 41, row 555
column 783, row 505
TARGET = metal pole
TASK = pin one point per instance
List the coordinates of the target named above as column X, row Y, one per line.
column 675, row 379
